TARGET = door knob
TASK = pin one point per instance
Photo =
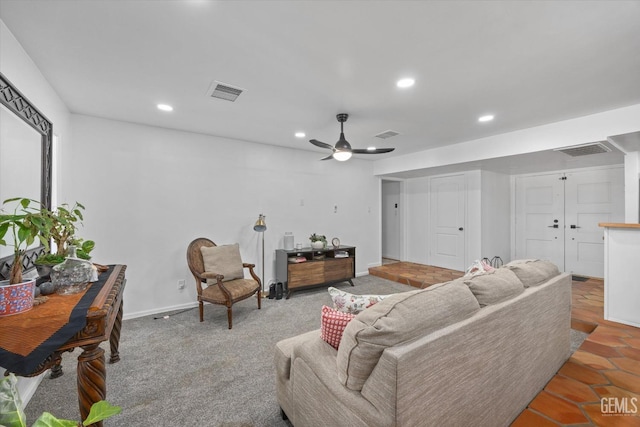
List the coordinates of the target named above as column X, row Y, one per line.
column 574, row 226
column 553, row 226
column 460, row 229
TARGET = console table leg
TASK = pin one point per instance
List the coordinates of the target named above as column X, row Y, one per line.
column 114, row 338
column 351, row 282
column 92, row 373
column 56, row 369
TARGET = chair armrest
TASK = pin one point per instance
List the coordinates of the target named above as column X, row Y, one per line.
column 218, row 277
column 253, row 274
column 212, row 275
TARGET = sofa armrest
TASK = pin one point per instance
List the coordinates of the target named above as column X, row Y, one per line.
column 320, row 398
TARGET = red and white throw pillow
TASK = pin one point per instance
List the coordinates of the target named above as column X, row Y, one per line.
column 332, row 324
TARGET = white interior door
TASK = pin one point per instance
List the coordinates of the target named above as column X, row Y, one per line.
column 447, row 220
column 590, row 197
column 540, row 218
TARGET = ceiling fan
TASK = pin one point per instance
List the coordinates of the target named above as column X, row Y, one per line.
column 342, row 150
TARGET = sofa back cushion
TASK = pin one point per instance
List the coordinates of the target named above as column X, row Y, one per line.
column 533, row 272
column 399, row 318
column 494, row 287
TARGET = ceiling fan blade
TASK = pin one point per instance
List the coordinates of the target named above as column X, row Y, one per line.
column 321, row 144
column 375, row 151
column 328, row 157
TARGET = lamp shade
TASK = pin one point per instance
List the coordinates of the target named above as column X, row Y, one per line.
column 260, row 224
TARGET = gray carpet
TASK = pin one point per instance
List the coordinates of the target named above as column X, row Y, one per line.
column 179, row 372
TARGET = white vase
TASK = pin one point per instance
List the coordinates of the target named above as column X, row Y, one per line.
column 318, row 244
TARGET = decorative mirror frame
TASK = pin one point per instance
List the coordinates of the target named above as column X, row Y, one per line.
column 18, row 104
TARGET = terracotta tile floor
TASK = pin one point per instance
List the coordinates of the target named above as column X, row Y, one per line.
column 607, row 364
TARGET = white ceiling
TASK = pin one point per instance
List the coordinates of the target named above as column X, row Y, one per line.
column 302, row 62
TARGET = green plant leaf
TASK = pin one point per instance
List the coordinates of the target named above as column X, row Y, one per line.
column 48, row 420
column 101, row 411
column 11, row 414
column 3, row 229
column 88, row 245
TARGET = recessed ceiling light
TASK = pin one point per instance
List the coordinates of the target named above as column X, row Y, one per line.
column 486, row 118
column 300, row 134
column 165, row 107
column 403, row 83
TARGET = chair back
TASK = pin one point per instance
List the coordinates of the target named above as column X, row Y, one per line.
column 194, row 255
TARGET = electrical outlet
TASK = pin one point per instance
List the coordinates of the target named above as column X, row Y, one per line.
column 181, row 284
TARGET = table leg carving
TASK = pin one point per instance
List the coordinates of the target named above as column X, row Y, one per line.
column 114, row 338
column 92, row 373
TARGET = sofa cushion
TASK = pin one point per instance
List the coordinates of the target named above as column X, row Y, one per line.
column 225, row 260
column 350, row 303
column 399, row 318
column 332, row 325
column 494, row 287
column 533, row 272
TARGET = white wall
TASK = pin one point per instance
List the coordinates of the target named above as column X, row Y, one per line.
column 16, row 66
column 149, row 191
column 392, row 211
column 496, row 215
column 417, row 215
column 632, row 187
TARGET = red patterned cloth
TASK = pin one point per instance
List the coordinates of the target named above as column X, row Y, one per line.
column 332, row 324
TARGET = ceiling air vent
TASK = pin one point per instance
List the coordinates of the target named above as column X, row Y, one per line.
column 387, row 134
column 224, row 91
column 585, row 149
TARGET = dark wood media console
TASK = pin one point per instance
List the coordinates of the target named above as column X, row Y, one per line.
column 321, row 267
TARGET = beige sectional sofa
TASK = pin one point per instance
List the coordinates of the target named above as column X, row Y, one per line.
column 474, row 351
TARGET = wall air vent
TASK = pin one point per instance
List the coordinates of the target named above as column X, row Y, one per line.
column 387, row 134
column 585, row 149
column 224, row 91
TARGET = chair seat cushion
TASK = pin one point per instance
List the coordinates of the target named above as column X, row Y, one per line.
column 225, row 260
column 239, row 289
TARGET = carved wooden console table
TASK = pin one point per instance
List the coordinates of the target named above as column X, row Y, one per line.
column 103, row 322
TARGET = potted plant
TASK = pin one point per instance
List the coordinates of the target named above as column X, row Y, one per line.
column 318, row 241
column 12, row 415
column 25, row 223
column 62, row 231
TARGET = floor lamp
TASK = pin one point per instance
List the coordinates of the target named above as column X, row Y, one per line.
column 261, row 227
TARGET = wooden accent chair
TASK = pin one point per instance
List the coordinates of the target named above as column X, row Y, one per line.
column 223, row 292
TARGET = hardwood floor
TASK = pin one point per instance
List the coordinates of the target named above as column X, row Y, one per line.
column 602, row 373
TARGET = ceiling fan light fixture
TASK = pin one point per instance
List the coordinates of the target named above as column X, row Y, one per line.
column 371, row 148
column 342, row 156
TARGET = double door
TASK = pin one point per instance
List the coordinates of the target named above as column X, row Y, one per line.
column 557, row 216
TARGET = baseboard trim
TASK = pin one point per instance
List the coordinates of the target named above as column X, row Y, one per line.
column 160, row 310
column 624, row 322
